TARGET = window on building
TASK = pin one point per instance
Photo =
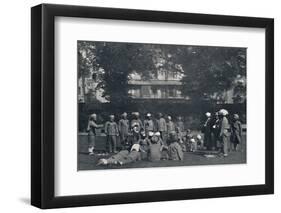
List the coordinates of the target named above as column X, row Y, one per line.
column 154, row 92
column 172, row 92
column 146, row 91
column 134, row 92
column 163, row 93
column 178, row 93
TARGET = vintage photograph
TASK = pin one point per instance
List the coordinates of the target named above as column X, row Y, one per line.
column 146, row 105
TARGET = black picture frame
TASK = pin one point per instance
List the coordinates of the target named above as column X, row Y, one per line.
column 43, row 105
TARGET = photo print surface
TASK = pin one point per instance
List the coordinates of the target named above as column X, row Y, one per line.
column 158, row 105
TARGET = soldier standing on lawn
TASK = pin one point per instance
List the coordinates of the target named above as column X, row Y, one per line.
column 207, row 132
column 112, row 132
column 223, row 131
column 136, row 126
column 236, row 132
column 148, row 124
column 123, row 128
column 161, row 127
column 171, row 128
column 91, row 129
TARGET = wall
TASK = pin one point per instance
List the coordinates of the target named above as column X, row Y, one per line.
column 15, row 107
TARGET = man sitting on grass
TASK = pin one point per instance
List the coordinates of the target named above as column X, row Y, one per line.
column 174, row 150
column 155, row 148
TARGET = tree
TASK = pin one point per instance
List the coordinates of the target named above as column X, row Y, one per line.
column 210, row 71
column 86, row 58
column 119, row 60
column 207, row 71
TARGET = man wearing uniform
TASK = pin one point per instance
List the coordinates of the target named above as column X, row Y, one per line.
column 161, row 127
column 171, row 128
column 155, row 149
column 174, row 150
column 180, row 127
column 148, row 124
column 207, row 127
column 236, row 132
column 112, row 132
column 223, row 131
column 123, row 157
column 91, row 129
column 123, row 128
column 136, row 126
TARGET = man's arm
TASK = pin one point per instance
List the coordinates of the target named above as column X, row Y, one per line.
column 180, row 152
column 240, row 129
column 106, row 128
column 96, row 125
column 117, row 130
column 119, row 125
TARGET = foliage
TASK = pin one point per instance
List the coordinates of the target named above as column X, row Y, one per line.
column 207, row 72
column 86, row 57
column 119, row 60
column 210, row 71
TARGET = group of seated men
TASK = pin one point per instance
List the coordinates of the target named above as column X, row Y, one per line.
column 151, row 148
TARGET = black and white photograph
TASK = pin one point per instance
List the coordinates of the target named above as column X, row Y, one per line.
column 144, row 105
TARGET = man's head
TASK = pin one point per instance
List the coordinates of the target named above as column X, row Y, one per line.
column 223, row 112
column 150, row 134
column 208, row 114
column 173, row 137
column 236, row 117
column 111, row 117
column 124, row 115
column 102, row 162
column 93, row 117
column 154, row 139
column 148, row 115
column 169, row 118
column 135, row 147
column 158, row 134
column 142, row 134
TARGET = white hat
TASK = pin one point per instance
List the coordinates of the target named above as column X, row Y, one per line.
column 208, row 114
column 236, row 116
column 150, row 133
column 148, row 115
column 135, row 147
column 199, row 137
column 93, row 115
column 102, row 161
column 223, row 112
column 192, row 140
column 157, row 134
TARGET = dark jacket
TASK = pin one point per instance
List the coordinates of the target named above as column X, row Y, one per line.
column 236, row 132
